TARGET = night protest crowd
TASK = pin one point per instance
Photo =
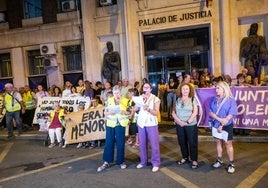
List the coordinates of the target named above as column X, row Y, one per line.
column 20, row 104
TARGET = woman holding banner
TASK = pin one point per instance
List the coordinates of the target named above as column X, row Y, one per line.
column 223, row 108
column 117, row 120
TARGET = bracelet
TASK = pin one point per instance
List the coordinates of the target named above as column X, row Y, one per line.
column 187, row 122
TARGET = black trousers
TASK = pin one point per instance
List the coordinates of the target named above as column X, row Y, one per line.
column 188, row 141
column 28, row 116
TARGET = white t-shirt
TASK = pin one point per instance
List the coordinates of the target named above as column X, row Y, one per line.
column 145, row 118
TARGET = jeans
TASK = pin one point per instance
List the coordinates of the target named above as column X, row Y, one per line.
column 114, row 136
column 9, row 122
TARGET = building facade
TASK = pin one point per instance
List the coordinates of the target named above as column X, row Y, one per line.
column 66, row 39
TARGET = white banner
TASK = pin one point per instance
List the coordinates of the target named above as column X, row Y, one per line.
column 70, row 104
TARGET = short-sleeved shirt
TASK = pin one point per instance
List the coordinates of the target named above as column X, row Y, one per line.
column 185, row 109
column 228, row 107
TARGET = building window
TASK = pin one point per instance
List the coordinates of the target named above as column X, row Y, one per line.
column 36, row 65
column 72, row 58
column 32, row 8
column 5, row 66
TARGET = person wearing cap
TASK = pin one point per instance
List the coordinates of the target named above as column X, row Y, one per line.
column 14, row 107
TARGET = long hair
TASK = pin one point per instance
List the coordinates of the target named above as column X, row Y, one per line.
column 226, row 88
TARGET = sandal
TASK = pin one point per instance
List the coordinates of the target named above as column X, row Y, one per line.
column 182, row 161
column 194, row 165
column 129, row 142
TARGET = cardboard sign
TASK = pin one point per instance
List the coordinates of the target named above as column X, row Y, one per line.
column 85, row 126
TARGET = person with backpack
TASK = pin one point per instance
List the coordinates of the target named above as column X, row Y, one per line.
column 185, row 113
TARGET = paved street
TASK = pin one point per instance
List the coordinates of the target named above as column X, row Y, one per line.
column 28, row 163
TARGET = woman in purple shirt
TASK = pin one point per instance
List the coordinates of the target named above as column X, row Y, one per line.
column 223, row 108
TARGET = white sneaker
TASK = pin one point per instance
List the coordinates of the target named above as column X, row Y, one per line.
column 139, row 166
column 155, row 169
column 51, row 145
column 79, row 145
column 217, row 164
column 123, row 166
column 103, row 167
column 231, row 168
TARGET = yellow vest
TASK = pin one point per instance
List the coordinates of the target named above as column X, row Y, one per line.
column 11, row 103
column 114, row 120
column 28, row 100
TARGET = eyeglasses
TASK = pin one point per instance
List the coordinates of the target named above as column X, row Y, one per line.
column 146, row 87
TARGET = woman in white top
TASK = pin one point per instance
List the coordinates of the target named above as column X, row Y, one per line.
column 41, row 92
column 148, row 128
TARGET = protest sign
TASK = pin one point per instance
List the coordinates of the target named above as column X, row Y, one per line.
column 85, row 126
column 252, row 105
column 70, row 104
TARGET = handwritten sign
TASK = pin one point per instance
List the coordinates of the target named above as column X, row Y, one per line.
column 85, row 125
column 70, row 104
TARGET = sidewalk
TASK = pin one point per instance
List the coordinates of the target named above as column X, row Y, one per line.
column 167, row 132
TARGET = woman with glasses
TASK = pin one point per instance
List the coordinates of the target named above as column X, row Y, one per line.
column 148, row 128
column 185, row 116
column 117, row 120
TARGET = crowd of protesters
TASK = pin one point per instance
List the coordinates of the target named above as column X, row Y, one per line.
column 20, row 104
column 101, row 91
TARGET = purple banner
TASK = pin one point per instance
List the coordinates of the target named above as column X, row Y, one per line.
column 252, row 104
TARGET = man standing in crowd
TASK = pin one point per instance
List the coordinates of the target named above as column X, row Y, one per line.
column 125, row 87
column 29, row 101
column 13, row 104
